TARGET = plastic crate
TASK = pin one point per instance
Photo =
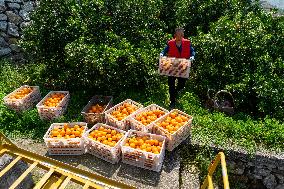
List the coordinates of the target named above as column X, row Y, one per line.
column 177, row 67
column 100, row 150
column 173, row 140
column 50, row 113
column 140, row 158
column 123, row 124
column 93, row 118
column 25, row 103
column 137, row 125
column 71, row 146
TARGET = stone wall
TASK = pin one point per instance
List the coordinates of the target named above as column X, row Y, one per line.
column 14, row 17
column 257, row 172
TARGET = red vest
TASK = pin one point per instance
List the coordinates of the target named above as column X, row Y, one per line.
column 174, row 52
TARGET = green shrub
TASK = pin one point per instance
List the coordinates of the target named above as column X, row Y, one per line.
column 244, row 54
column 103, row 46
column 240, row 130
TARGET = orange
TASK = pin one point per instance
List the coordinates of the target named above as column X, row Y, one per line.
column 55, row 133
column 62, row 133
column 172, row 115
column 148, row 149
column 77, row 133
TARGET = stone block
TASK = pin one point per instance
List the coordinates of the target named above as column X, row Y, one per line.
column 14, row 5
column 12, row 40
column 25, row 15
column 13, row 30
column 14, row 1
column 3, row 43
column 2, row 6
column 270, row 182
column 3, row 52
column 28, row 6
column 3, row 26
column 3, row 17
column 13, row 17
column 15, row 48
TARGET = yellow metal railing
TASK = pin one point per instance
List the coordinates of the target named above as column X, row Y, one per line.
column 58, row 174
column 212, row 167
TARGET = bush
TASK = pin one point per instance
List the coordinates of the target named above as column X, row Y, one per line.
column 240, row 130
column 199, row 14
column 97, row 44
column 244, row 54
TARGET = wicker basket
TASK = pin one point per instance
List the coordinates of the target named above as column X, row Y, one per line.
column 140, row 158
column 25, row 103
column 123, row 124
column 137, row 125
column 100, row 150
column 173, row 140
column 71, row 146
column 93, row 118
column 50, row 113
column 177, row 67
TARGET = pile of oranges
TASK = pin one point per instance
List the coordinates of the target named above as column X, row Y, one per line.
column 173, row 122
column 97, row 108
column 144, row 143
column 53, row 100
column 67, row 132
column 148, row 117
column 106, row 136
column 123, row 111
column 20, row 93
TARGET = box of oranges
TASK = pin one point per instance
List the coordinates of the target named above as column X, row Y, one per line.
column 143, row 150
column 94, row 111
column 104, row 141
column 144, row 119
column 175, row 126
column 22, row 98
column 118, row 116
column 53, row 105
column 65, row 138
column 177, row 67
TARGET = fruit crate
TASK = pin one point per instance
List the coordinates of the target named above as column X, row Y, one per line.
column 177, row 67
column 124, row 123
column 137, row 125
column 25, row 103
column 140, row 158
column 50, row 113
column 93, row 118
column 174, row 139
column 63, row 146
column 103, row 151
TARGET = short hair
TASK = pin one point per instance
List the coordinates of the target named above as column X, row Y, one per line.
column 179, row 30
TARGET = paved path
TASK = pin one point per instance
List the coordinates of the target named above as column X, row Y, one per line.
column 168, row 178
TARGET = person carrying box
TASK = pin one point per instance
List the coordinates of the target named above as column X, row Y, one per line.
column 178, row 47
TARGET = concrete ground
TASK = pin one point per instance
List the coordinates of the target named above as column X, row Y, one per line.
column 170, row 177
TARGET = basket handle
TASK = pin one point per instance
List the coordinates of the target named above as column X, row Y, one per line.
column 226, row 93
column 209, row 93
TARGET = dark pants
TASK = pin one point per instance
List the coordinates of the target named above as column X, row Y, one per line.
column 173, row 89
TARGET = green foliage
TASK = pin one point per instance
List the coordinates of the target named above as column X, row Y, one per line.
column 240, row 130
column 198, row 14
column 244, row 54
column 97, row 44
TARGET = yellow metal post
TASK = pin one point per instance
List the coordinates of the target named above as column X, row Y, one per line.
column 212, row 167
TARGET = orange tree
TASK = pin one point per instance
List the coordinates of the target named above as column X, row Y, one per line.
column 107, row 46
column 244, row 54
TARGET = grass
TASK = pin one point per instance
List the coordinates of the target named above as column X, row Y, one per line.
column 216, row 129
